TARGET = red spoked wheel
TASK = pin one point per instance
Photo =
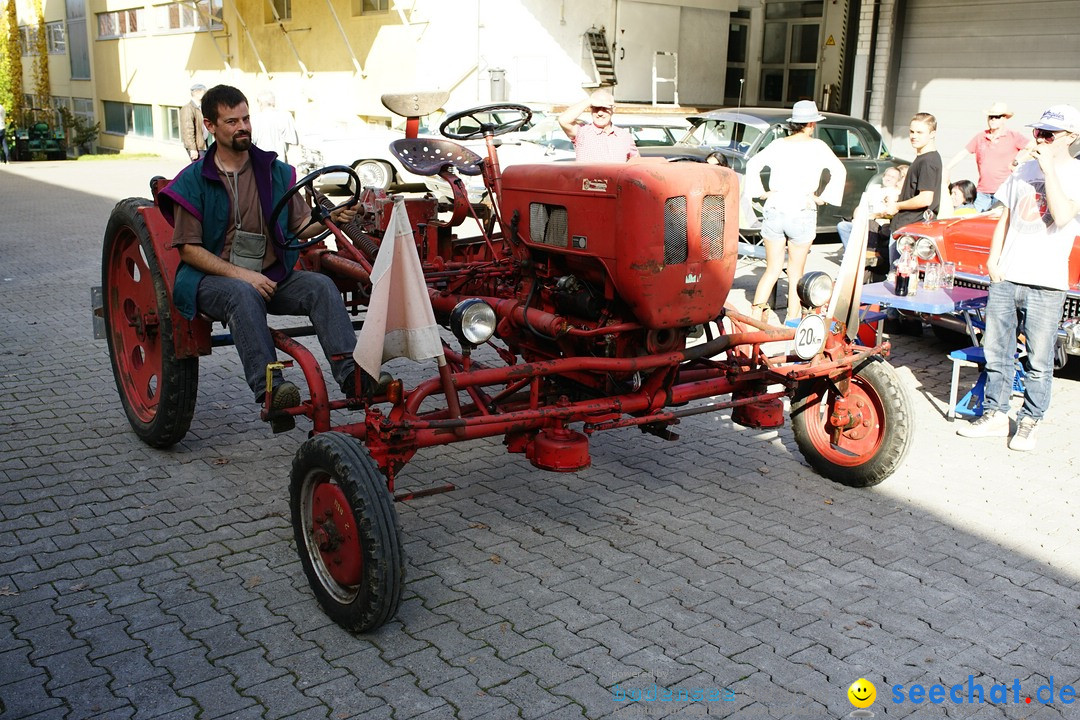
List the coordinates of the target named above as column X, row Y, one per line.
column 873, row 437
column 157, row 389
column 347, row 532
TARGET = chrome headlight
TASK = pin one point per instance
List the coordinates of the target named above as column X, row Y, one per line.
column 473, row 321
column 925, row 249
column 815, row 288
column 905, row 242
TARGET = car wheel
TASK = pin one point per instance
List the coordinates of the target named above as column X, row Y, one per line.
column 374, row 174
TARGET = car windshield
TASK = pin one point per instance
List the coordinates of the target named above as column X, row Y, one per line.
column 547, row 133
column 722, row 134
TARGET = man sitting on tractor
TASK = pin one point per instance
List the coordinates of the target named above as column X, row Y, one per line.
column 219, row 206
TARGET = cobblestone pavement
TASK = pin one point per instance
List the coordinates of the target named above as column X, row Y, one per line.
column 137, row 583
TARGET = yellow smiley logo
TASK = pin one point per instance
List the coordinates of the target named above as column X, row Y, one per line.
column 862, row 693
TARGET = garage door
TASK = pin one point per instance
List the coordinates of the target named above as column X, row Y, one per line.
column 957, row 59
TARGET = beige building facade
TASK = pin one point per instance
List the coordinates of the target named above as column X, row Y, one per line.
column 129, row 65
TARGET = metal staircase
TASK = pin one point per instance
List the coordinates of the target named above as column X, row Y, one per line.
column 597, row 47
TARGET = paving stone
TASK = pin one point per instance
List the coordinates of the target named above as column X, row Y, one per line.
column 720, row 559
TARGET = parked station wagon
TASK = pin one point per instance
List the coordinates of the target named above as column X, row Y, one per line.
column 737, row 135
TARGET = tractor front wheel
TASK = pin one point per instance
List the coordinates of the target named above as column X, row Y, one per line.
column 347, row 531
column 876, row 435
column 157, row 389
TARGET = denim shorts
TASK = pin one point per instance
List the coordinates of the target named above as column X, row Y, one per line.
column 798, row 226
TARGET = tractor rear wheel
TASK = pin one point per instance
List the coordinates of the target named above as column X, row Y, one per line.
column 879, row 437
column 347, row 531
column 157, row 389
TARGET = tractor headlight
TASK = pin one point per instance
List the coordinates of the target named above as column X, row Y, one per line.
column 473, row 321
column 925, row 249
column 815, row 289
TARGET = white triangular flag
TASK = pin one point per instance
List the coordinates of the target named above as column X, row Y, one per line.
column 400, row 321
column 847, row 293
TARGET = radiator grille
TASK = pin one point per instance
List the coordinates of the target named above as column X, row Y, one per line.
column 675, row 250
column 1070, row 311
column 547, row 225
column 712, row 227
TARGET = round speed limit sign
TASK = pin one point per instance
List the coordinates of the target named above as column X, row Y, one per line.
column 809, row 336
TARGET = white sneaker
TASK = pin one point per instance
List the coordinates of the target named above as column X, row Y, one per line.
column 1024, row 439
column 991, row 424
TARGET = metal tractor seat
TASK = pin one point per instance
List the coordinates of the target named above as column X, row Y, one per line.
column 430, row 156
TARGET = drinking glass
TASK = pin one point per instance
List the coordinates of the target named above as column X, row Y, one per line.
column 932, row 276
column 948, row 275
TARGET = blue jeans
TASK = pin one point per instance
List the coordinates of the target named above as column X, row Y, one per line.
column 239, row 305
column 983, row 201
column 1039, row 310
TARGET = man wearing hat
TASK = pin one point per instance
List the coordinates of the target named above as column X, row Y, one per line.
column 192, row 132
column 599, row 140
column 1029, row 276
column 995, row 149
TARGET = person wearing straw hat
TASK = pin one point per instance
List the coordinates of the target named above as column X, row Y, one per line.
column 995, row 150
column 789, row 220
column 1029, row 277
column 599, row 140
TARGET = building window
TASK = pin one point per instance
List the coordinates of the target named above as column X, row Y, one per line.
column 172, row 123
column 128, row 119
column 27, row 40
column 278, row 10
column 362, row 7
column 78, row 45
column 190, row 17
column 83, row 108
column 54, row 33
column 119, row 23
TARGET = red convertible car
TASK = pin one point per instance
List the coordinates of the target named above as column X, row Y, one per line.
column 966, row 242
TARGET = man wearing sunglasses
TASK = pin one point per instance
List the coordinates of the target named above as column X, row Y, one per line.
column 995, row 151
column 1029, row 274
column 599, row 140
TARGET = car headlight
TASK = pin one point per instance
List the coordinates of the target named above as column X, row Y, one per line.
column 473, row 321
column 925, row 249
column 815, row 289
column 905, row 242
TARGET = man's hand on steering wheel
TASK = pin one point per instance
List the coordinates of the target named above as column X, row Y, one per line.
column 315, row 229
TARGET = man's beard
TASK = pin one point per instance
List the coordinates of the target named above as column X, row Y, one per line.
column 241, row 143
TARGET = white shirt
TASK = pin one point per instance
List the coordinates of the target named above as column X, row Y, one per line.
column 796, row 167
column 1036, row 251
column 273, row 130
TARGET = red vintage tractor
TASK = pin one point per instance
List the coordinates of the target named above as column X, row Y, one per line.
column 585, row 286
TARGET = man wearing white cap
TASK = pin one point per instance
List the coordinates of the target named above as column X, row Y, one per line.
column 599, row 140
column 1029, row 275
column 192, row 132
column 995, row 150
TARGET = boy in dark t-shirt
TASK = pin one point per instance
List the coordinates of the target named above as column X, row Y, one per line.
column 922, row 186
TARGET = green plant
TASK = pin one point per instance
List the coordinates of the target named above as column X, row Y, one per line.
column 82, row 132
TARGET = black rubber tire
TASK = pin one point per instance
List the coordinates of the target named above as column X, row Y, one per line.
column 341, row 459
column 877, row 382
column 162, row 415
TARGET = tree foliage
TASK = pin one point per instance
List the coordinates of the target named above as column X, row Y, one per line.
column 42, row 86
column 11, row 71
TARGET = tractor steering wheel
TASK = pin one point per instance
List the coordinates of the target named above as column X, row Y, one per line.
column 521, row 116
column 319, row 214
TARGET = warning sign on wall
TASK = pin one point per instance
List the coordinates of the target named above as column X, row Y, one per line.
column 830, row 41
